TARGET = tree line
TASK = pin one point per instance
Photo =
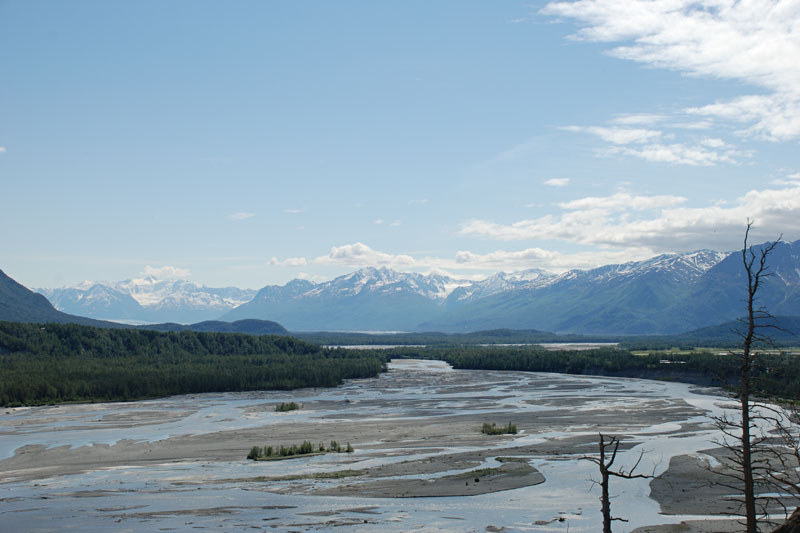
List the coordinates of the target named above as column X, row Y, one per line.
column 53, row 363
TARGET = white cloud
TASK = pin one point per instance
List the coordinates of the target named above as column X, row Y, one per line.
column 641, row 119
column 694, row 125
column 699, row 155
column 289, row 262
column 617, row 135
column 548, row 259
column 704, row 152
column 167, row 272
column 792, row 180
column 419, row 201
column 359, row 255
column 557, row 182
column 753, row 41
column 317, row 278
column 606, row 222
column 396, row 223
column 2, row 149
column 378, row 221
column 241, row 215
column 622, row 201
column 772, row 117
column 294, row 211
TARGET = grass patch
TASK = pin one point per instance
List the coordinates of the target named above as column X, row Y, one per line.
column 494, row 429
column 274, row 453
column 287, row 406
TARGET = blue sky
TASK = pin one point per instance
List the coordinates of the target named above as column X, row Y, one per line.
column 250, row 143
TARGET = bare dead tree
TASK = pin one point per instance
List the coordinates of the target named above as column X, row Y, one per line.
column 742, row 437
column 608, row 445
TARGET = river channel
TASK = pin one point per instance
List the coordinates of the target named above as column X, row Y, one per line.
column 179, row 463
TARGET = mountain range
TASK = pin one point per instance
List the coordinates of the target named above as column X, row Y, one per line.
column 147, row 300
column 670, row 293
column 20, row 304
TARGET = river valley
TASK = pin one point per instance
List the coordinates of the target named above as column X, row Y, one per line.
column 420, row 462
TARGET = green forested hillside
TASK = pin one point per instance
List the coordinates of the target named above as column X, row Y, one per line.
column 66, row 362
column 251, row 326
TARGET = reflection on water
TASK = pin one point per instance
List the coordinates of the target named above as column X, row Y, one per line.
column 665, row 419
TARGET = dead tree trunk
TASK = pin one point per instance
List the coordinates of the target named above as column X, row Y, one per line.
column 605, row 463
column 755, row 266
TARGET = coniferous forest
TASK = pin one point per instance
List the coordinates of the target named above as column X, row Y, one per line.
column 56, row 363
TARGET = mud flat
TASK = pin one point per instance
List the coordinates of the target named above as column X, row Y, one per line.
column 420, row 460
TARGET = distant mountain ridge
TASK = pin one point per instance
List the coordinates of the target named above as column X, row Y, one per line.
column 667, row 294
column 670, row 293
column 20, row 304
column 250, row 326
column 148, row 300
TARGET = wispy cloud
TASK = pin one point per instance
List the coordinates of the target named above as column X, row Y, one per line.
column 359, row 255
column 316, row 278
column 557, row 182
column 548, row 259
column 471, row 265
column 622, row 201
column 241, row 215
column 774, row 117
column 167, row 272
column 418, row 201
column 2, row 149
column 660, row 223
column 640, row 119
column 294, row 211
column 792, row 180
column 700, row 154
column 755, row 42
column 646, row 144
column 378, row 221
column 617, row 135
column 289, row 262
column 396, row 223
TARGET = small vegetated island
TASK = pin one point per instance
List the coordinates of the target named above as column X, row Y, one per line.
column 55, row 363
column 272, row 453
column 284, row 407
column 494, row 429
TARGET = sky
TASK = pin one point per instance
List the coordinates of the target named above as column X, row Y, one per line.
column 250, row 143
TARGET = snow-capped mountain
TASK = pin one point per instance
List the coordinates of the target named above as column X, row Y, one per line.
column 147, row 299
column 367, row 299
column 618, row 298
column 503, row 282
column 386, row 281
column 665, row 294
column 621, row 298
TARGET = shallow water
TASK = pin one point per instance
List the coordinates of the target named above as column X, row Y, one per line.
column 194, row 494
